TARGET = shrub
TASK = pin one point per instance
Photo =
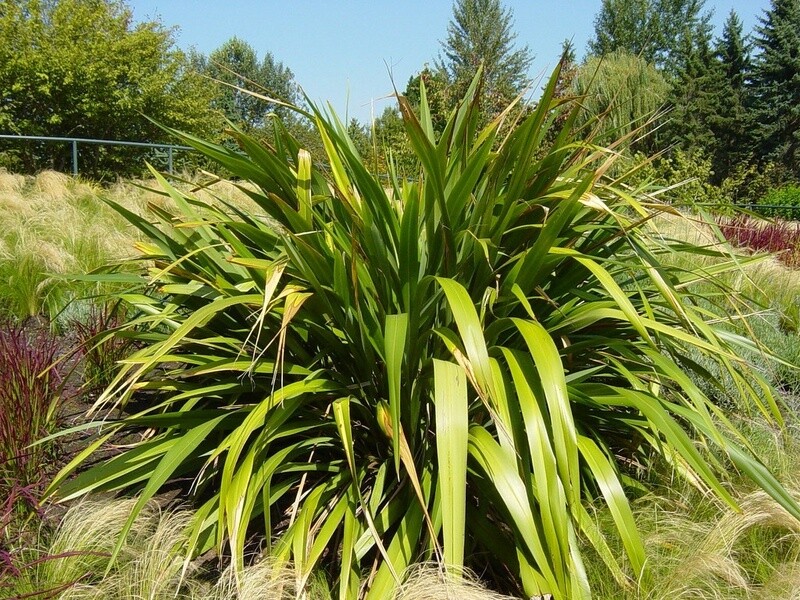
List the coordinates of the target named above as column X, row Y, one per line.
column 783, row 202
column 443, row 370
column 688, row 176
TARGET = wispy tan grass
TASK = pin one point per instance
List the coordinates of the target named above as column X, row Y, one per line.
column 764, row 280
column 700, row 549
column 11, row 182
column 55, row 226
column 427, row 582
column 264, row 579
column 710, row 559
column 150, row 564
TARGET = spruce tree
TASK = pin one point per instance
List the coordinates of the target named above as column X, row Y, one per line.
column 481, row 33
column 728, row 122
column 695, row 96
column 629, row 25
column 775, row 113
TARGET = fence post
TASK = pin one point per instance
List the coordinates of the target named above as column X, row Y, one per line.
column 74, row 158
column 169, row 158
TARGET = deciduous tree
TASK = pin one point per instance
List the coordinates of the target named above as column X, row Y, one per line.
column 236, row 67
column 437, row 91
column 622, row 92
column 83, row 68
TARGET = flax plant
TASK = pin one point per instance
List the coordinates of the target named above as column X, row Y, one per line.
column 375, row 374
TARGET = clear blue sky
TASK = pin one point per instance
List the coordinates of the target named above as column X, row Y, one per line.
column 343, row 51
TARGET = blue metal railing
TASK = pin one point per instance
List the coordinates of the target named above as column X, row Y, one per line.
column 74, row 143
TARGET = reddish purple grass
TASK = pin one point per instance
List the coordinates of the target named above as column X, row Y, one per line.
column 29, row 390
column 782, row 237
column 17, row 554
column 10, row 508
column 28, row 396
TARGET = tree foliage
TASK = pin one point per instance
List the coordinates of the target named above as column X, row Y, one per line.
column 480, row 33
column 622, row 93
column 695, row 97
column 82, row 68
column 235, row 67
column 775, row 118
column 393, row 152
column 630, row 25
column 729, row 123
column 438, row 91
column 658, row 31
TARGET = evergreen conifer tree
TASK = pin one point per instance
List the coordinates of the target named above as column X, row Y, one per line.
column 659, row 31
column 775, row 112
column 695, row 95
column 629, row 25
column 728, row 122
column 481, row 33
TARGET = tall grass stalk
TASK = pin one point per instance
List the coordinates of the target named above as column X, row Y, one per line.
column 100, row 348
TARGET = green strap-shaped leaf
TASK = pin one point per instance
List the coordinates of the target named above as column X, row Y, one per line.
column 180, row 451
column 606, row 477
column 748, row 464
column 394, row 347
column 151, row 356
column 671, row 431
column 400, row 552
column 341, row 414
column 452, row 437
column 550, row 370
column 547, row 488
column 502, row 471
column 471, row 332
column 612, row 287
